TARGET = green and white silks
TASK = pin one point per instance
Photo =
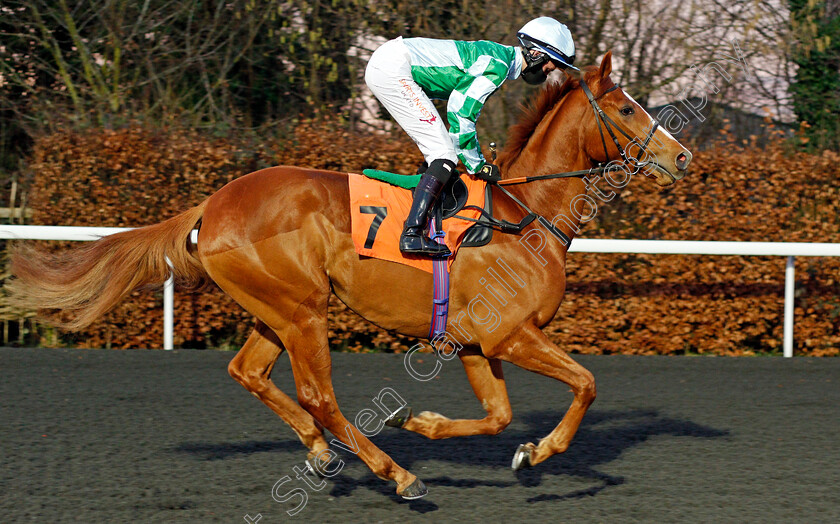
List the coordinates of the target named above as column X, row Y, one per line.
column 405, row 73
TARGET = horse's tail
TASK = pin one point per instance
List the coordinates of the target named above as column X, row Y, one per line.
column 87, row 282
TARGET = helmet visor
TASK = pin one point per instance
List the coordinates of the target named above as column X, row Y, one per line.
column 560, row 59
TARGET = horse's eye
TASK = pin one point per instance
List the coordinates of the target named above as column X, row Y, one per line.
column 627, row 111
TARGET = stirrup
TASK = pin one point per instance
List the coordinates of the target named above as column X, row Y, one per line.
column 423, row 246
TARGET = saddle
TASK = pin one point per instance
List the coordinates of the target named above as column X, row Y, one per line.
column 380, row 201
column 453, row 199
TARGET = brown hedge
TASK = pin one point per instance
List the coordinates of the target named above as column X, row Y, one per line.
column 637, row 304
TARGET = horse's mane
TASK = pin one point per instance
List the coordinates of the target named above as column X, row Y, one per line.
column 532, row 115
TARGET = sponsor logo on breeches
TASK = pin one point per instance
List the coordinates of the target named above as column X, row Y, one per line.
column 409, row 94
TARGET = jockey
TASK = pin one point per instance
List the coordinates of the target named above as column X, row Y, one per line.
column 405, row 73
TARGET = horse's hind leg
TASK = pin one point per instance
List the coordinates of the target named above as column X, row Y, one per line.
column 530, row 349
column 252, row 367
column 488, row 383
column 305, row 338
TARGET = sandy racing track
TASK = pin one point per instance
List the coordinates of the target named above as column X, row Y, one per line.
column 153, row 436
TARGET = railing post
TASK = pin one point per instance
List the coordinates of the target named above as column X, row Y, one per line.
column 168, row 307
column 789, row 288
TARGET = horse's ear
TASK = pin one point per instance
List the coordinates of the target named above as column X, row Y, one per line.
column 606, row 64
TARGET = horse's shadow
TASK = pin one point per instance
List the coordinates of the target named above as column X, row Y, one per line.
column 602, row 438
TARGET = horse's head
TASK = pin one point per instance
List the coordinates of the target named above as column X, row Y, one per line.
column 615, row 118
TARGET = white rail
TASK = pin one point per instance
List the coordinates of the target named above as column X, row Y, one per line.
column 698, row 247
column 580, row 245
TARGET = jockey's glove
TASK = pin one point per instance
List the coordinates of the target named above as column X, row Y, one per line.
column 489, row 172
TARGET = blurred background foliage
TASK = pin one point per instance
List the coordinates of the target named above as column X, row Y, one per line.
column 252, row 67
column 816, row 88
column 101, row 100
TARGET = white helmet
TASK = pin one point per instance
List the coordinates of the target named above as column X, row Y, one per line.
column 550, row 37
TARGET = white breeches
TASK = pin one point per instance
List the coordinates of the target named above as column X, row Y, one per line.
column 388, row 75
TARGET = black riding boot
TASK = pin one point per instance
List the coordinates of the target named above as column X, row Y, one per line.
column 413, row 239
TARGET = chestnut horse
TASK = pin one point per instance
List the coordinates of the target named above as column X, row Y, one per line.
column 278, row 241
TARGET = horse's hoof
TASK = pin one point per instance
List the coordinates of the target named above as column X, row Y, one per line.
column 522, row 458
column 415, row 490
column 315, row 471
column 399, row 418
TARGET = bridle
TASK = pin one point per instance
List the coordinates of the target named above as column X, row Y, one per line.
column 609, row 123
column 604, row 121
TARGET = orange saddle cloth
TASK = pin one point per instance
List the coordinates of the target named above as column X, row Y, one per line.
column 378, row 210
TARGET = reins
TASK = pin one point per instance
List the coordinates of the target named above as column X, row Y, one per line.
column 529, row 179
column 600, row 117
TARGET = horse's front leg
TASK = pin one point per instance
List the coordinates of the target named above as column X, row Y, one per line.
column 488, row 383
column 529, row 348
